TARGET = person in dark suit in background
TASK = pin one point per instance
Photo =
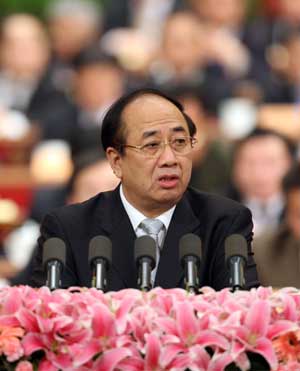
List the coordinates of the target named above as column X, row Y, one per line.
column 277, row 251
column 148, row 140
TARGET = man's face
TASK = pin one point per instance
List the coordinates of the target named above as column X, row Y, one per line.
column 152, row 184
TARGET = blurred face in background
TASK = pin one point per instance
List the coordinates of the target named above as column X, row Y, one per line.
column 290, row 10
column 98, row 85
column 183, row 42
column 95, row 178
column 293, row 212
column 194, row 108
column 293, row 67
column 220, row 13
column 71, row 33
column 259, row 167
column 24, row 48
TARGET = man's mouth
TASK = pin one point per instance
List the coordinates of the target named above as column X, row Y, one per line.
column 168, row 181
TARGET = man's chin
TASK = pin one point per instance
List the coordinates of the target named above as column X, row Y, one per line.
column 171, row 196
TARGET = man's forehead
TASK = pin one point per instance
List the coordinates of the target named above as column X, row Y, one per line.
column 151, row 107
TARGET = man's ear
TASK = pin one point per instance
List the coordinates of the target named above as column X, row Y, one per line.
column 115, row 160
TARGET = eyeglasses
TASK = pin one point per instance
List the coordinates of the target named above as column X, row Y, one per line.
column 180, row 145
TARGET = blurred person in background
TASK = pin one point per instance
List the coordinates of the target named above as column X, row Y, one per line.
column 282, row 83
column 146, row 15
column 91, row 173
column 236, row 43
column 99, row 81
column 181, row 53
column 265, row 30
column 138, row 24
column 211, row 161
column 225, row 14
column 277, row 253
column 74, row 26
column 286, row 14
column 26, row 84
column 224, row 22
column 260, row 161
column 182, row 58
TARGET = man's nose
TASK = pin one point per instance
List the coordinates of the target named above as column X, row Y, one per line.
column 167, row 155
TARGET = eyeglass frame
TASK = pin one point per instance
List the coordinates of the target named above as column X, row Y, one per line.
column 162, row 146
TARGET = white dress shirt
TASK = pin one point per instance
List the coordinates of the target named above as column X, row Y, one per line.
column 136, row 217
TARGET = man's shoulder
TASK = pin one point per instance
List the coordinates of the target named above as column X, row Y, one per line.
column 87, row 208
column 213, row 203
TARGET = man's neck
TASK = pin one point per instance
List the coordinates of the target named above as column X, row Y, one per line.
column 136, row 216
column 149, row 213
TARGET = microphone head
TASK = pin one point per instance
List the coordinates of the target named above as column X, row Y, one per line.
column 235, row 245
column 145, row 247
column 54, row 249
column 190, row 245
column 100, row 247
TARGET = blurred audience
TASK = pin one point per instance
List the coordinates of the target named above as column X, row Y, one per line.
column 224, row 21
column 74, row 26
column 145, row 15
column 182, row 52
column 182, row 58
column 50, row 167
column 277, row 253
column 25, row 78
column 92, row 174
column 260, row 161
column 264, row 31
column 98, row 82
column 282, row 83
column 211, row 160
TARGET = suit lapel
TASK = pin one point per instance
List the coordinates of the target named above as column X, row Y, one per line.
column 116, row 224
column 170, row 272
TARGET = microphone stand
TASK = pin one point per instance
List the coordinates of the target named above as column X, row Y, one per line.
column 237, row 279
column 53, row 275
column 191, row 275
column 144, row 281
column 99, row 280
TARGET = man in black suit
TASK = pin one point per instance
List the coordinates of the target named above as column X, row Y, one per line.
column 148, row 140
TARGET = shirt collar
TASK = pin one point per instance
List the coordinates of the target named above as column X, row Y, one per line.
column 136, row 216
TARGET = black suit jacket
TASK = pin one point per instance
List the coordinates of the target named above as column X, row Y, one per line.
column 211, row 217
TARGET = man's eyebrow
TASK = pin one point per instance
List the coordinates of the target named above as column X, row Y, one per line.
column 151, row 133
column 178, row 129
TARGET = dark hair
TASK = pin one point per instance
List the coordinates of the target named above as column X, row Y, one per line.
column 95, row 56
column 113, row 130
column 264, row 133
column 81, row 162
column 192, row 89
column 292, row 179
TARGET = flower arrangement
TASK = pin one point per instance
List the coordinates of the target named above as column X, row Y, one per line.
column 84, row 329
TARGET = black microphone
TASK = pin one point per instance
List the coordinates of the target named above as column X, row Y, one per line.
column 100, row 257
column 54, row 257
column 236, row 254
column 190, row 251
column 145, row 259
